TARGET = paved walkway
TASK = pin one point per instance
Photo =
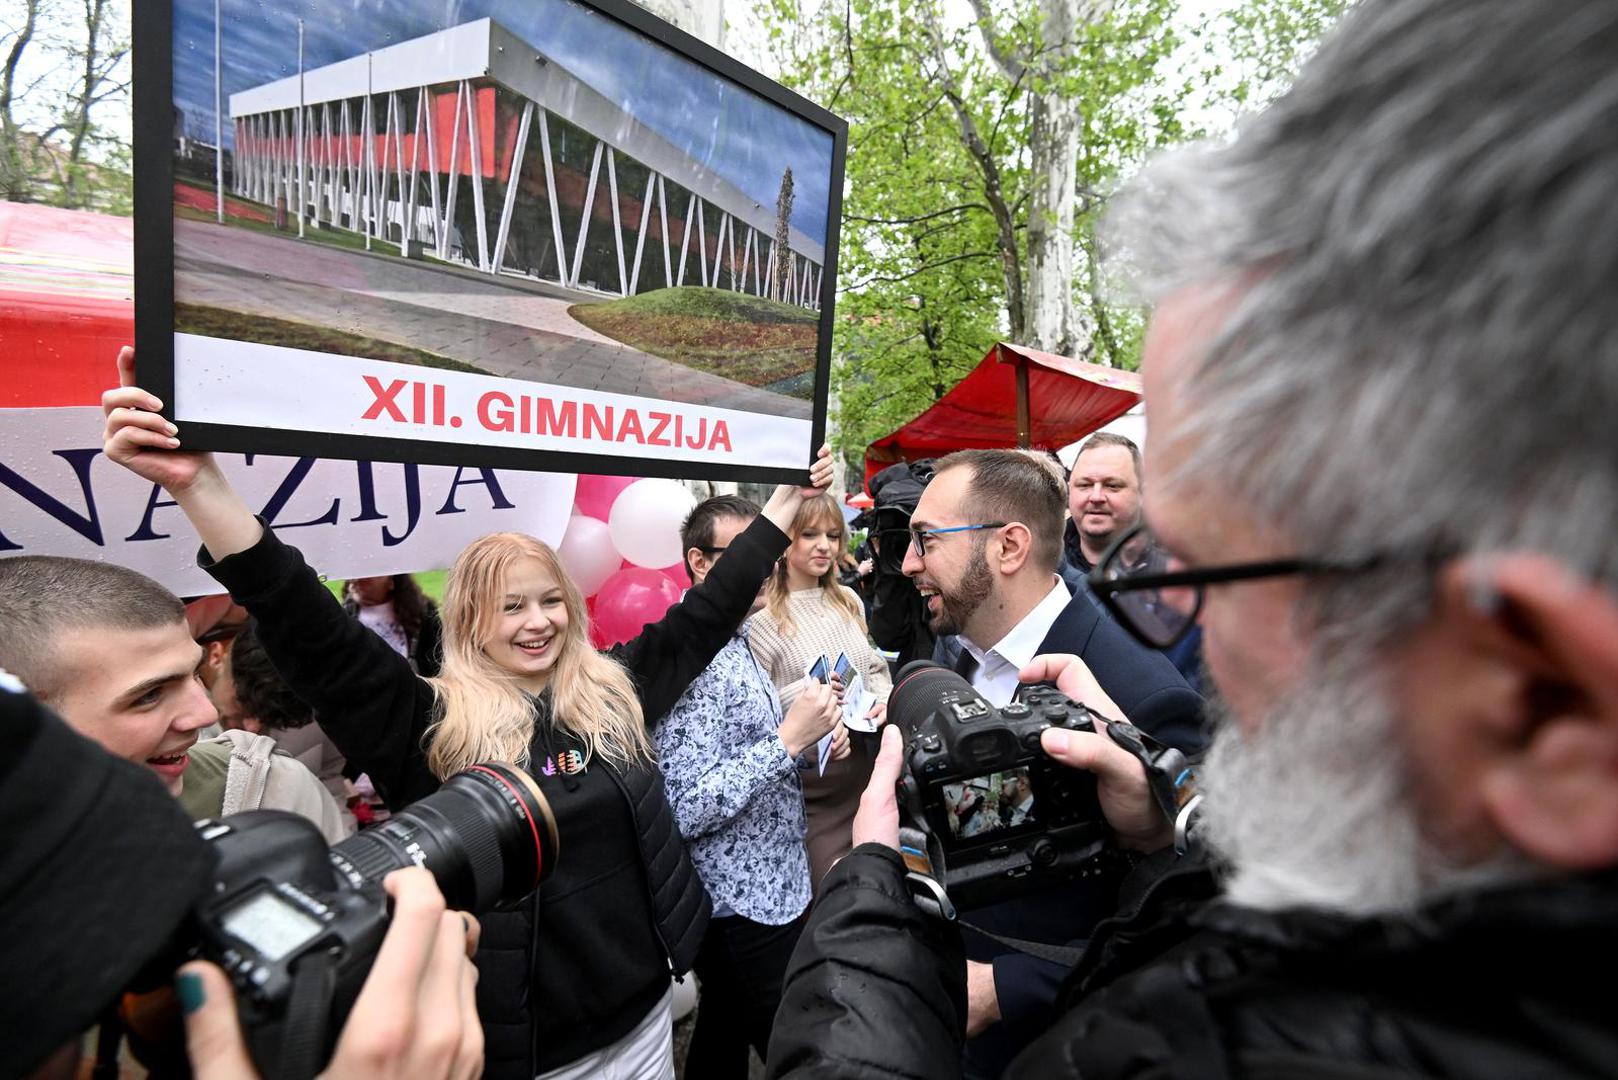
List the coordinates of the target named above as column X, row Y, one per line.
column 499, row 326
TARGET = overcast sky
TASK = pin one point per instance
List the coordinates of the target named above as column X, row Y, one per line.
column 743, row 137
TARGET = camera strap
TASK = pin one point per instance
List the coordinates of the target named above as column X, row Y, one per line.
column 303, row 1035
column 1167, row 769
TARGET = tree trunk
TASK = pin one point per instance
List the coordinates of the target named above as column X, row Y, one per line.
column 783, row 236
column 79, row 122
column 14, row 156
column 1051, row 321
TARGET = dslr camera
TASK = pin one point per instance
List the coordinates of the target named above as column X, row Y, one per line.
column 997, row 816
column 296, row 925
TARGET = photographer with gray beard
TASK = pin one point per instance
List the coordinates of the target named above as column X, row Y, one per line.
column 1399, row 274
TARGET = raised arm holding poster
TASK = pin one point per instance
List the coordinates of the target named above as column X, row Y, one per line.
column 543, row 235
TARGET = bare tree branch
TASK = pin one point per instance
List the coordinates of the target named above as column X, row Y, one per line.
column 893, row 279
column 917, row 218
column 1010, row 64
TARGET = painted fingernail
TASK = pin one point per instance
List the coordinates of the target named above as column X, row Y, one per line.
column 188, row 987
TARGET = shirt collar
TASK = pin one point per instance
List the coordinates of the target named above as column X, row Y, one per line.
column 1021, row 643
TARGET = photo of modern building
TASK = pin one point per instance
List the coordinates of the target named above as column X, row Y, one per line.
column 550, row 207
column 472, row 144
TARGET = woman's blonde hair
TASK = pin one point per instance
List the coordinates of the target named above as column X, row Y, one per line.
column 822, row 512
column 484, row 715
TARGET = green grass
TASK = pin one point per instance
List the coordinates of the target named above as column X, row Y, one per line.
column 746, row 338
column 224, row 323
column 431, row 582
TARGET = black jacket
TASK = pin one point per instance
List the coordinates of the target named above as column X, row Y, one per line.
column 377, row 711
column 1495, row 984
column 1156, row 699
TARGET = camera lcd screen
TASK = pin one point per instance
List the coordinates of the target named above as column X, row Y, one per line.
column 270, row 925
column 992, row 803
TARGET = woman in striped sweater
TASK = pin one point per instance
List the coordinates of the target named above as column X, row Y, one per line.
column 807, row 615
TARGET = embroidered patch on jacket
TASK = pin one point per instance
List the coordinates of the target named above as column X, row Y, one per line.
column 568, row 761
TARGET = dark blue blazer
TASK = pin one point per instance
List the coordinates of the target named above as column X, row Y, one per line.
column 1143, row 682
column 1155, row 698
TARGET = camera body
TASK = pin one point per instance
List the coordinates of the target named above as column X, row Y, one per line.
column 296, row 925
column 1000, row 817
column 280, row 900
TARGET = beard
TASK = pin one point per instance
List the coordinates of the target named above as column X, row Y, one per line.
column 956, row 607
column 1314, row 806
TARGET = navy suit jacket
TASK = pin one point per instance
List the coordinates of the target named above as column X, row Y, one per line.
column 1155, row 698
column 1143, row 682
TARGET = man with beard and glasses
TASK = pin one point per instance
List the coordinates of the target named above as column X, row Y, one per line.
column 986, row 542
column 1380, row 380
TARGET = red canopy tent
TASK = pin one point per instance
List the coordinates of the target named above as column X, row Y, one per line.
column 1016, row 396
column 66, row 304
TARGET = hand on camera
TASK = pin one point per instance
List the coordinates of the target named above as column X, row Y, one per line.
column 415, row 1017
column 812, row 715
column 1126, row 799
column 878, row 818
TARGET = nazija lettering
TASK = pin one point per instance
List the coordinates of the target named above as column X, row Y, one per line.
column 531, row 414
column 88, row 522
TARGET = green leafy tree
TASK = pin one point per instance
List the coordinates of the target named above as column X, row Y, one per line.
column 980, row 154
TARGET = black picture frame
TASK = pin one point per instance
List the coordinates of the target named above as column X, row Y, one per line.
column 154, row 251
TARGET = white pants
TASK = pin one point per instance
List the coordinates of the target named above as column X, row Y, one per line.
column 646, row 1053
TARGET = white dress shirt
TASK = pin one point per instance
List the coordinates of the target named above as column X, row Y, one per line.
column 996, row 674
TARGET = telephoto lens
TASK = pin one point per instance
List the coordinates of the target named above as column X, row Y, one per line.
column 917, row 690
column 487, row 835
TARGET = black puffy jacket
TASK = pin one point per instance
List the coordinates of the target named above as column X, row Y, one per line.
column 377, row 711
column 1506, row 983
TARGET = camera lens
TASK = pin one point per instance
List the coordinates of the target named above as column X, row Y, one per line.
column 487, row 835
column 919, row 689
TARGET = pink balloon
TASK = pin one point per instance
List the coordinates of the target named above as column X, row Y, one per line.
column 594, row 495
column 630, row 600
column 677, row 574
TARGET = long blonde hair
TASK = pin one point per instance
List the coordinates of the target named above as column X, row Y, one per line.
column 821, row 511
column 484, row 714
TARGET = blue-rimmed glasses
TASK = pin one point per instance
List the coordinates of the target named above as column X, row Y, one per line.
column 919, row 537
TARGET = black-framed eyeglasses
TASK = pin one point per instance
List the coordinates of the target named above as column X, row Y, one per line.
column 1159, row 607
column 709, row 550
column 919, row 537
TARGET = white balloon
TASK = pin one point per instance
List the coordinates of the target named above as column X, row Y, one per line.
column 645, row 521
column 588, row 553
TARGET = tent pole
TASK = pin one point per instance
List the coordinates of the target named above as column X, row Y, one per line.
column 1024, row 427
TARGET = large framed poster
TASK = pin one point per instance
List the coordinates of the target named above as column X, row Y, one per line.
column 527, row 233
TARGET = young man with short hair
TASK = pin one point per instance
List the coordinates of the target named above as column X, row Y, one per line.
column 110, row 651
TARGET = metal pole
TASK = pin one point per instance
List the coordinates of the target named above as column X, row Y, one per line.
column 218, row 125
column 368, row 124
column 1024, row 426
column 302, row 178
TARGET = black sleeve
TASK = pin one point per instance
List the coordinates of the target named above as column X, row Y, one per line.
column 371, row 704
column 429, row 654
column 669, row 653
column 876, row 987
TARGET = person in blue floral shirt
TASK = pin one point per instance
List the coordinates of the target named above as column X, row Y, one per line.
column 730, row 763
